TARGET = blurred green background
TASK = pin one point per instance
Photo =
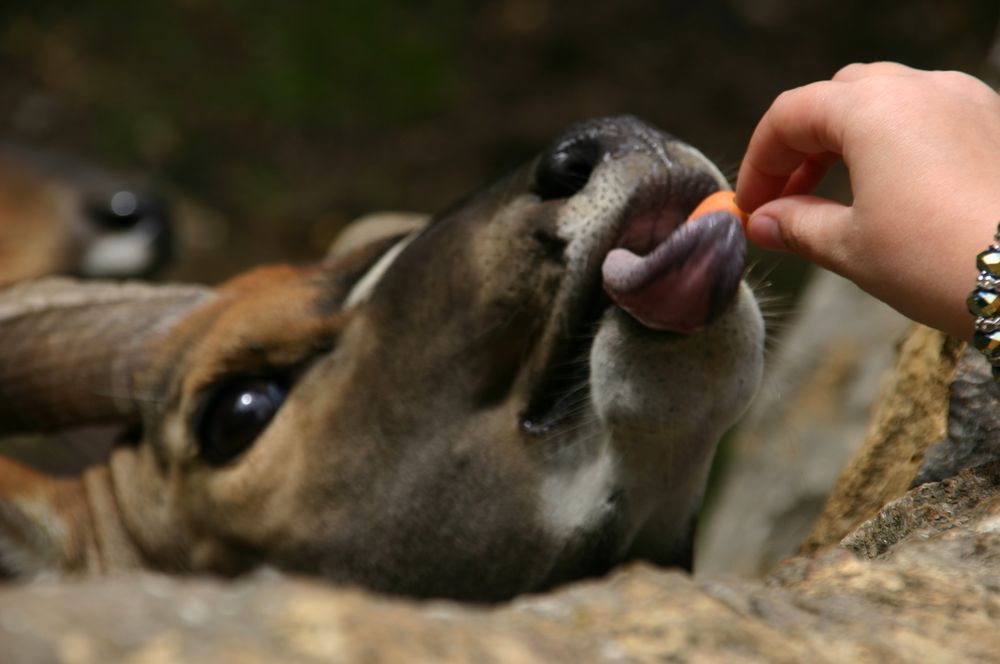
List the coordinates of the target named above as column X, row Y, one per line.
column 276, row 123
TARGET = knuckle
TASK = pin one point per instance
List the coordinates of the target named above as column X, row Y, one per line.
column 965, row 83
column 783, row 99
column 789, row 107
column 861, row 70
column 952, row 77
column 849, row 71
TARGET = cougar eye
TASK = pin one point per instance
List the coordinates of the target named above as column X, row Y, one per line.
column 565, row 169
column 236, row 415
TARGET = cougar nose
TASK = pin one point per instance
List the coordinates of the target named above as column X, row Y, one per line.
column 565, row 168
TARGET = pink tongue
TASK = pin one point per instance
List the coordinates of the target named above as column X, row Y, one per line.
column 686, row 281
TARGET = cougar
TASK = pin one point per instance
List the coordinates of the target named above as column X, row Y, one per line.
column 452, row 408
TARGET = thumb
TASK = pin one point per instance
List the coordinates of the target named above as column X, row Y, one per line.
column 811, row 227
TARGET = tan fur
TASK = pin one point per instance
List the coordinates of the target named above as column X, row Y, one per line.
column 36, row 234
column 45, row 523
column 265, row 317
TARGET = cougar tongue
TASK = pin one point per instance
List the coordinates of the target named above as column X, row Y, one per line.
column 686, row 281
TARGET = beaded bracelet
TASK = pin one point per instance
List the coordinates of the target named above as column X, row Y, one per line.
column 984, row 303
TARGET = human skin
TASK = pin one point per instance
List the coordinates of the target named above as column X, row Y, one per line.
column 923, row 153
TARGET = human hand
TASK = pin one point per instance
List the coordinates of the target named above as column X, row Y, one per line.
column 923, row 153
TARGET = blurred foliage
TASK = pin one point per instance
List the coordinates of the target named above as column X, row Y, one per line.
column 290, row 118
column 180, row 84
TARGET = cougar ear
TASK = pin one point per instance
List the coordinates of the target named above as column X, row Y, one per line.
column 73, row 354
column 373, row 228
column 76, row 353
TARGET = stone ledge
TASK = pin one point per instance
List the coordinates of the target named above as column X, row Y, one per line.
column 933, row 596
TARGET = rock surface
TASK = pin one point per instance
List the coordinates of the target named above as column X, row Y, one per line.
column 931, row 592
column 973, row 422
column 911, row 416
column 810, row 417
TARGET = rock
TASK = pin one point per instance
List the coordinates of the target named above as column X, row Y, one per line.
column 971, row 496
column 809, row 419
column 973, row 422
column 926, row 587
column 911, row 416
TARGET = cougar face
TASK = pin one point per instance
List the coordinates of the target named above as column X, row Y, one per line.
column 460, row 411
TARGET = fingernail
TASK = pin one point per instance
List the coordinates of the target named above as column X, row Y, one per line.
column 764, row 231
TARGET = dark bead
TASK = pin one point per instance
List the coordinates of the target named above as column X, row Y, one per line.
column 996, row 373
column 988, row 343
column 989, row 262
column 983, row 302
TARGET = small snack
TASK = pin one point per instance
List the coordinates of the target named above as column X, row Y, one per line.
column 691, row 273
column 721, row 200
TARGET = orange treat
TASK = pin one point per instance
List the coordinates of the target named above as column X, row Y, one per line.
column 721, row 200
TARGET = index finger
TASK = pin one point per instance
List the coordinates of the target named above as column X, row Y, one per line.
column 804, row 124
